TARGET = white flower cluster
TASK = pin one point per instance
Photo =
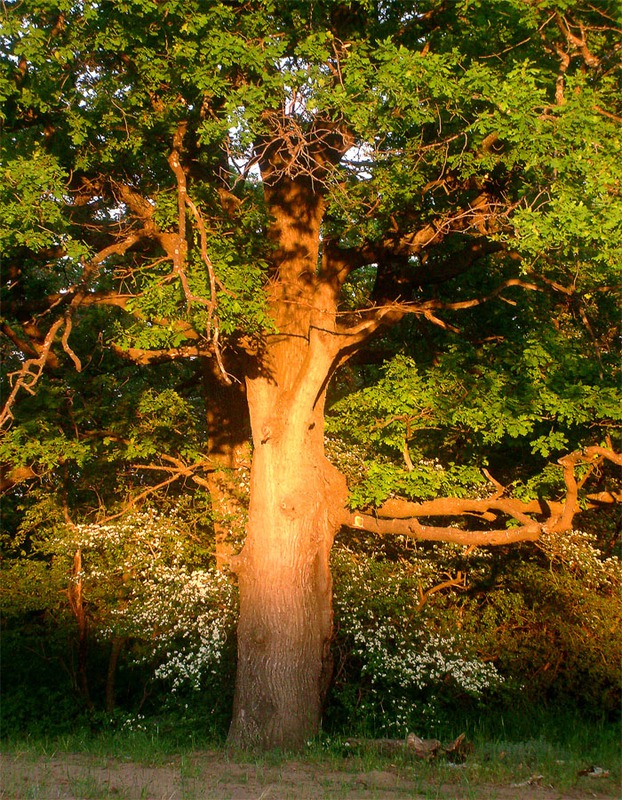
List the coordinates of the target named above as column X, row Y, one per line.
column 431, row 462
column 144, row 580
column 408, row 666
column 134, row 723
column 420, row 661
column 577, row 552
column 348, row 457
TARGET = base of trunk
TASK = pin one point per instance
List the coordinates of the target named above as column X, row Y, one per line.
column 285, row 623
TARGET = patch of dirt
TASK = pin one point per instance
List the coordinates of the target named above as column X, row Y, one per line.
column 212, row 776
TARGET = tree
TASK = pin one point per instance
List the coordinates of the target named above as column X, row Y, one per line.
column 226, row 202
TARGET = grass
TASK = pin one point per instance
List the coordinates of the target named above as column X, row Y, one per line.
column 508, row 751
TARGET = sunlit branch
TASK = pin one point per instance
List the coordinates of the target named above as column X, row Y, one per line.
column 391, row 313
column 607, row 114
column 413, row 529
column 141, row 355
column 175, row 468
column 400, row 517
column 459, row 582
column 569, row 463
column 30, row 373
column 137, row 499
column 65, row 343
column 32, row 369
column 180, row 249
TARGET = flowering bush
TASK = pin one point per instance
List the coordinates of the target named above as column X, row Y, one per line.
column 530, row 623
column 146, row 578
column 577, row 552
column 519, row 625
column 405, row 661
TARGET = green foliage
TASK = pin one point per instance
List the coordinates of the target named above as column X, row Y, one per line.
column 94, row 95
column 146, row 579
column 512, row 632
column 424, row 430
column 402, row 664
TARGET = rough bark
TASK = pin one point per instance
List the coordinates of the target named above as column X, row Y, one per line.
column 297, row 496
column 285, row 622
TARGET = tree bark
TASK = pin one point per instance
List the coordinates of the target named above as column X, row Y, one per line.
column 297, row 496
column 285, row 623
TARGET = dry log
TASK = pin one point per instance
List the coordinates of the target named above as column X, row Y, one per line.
column 414, row 745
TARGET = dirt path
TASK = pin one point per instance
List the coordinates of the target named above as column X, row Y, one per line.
column 211, row 776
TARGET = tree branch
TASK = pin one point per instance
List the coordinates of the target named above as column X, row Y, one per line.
column 30, row 373
column 414, row 530
column 179, row 251
column 393, row 312
column 141, row 355
column 400, row 517
column 563, row 521
column 27, row 348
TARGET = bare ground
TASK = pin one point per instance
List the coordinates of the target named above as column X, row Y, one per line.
column 212, row 775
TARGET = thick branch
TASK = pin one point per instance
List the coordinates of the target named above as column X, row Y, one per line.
column 30, row 373
column 402, row 518
column 414, row 530
column 563, row 521
column 458, row 506
column 143, row 356
column 377, row 316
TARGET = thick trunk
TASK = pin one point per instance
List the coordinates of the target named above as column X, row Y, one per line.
column 296, row 507
column 297, row 496
column 286, row 594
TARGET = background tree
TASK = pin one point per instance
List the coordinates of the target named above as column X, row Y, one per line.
column 209, row 207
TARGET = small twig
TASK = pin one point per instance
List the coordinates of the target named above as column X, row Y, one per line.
column 500, row 487
column 65, row 343
column 458, row 582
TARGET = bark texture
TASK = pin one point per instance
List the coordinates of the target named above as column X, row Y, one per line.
column 297, row 496
column 285, row 598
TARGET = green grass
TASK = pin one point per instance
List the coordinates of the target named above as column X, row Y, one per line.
column 508, row 750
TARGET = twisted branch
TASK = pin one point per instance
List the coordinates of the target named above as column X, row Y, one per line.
column 399, row 517
column 30, row 373
column 179, row 252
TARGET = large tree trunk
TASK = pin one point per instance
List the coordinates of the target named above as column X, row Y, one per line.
column 285, row 584
column 297, row 496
